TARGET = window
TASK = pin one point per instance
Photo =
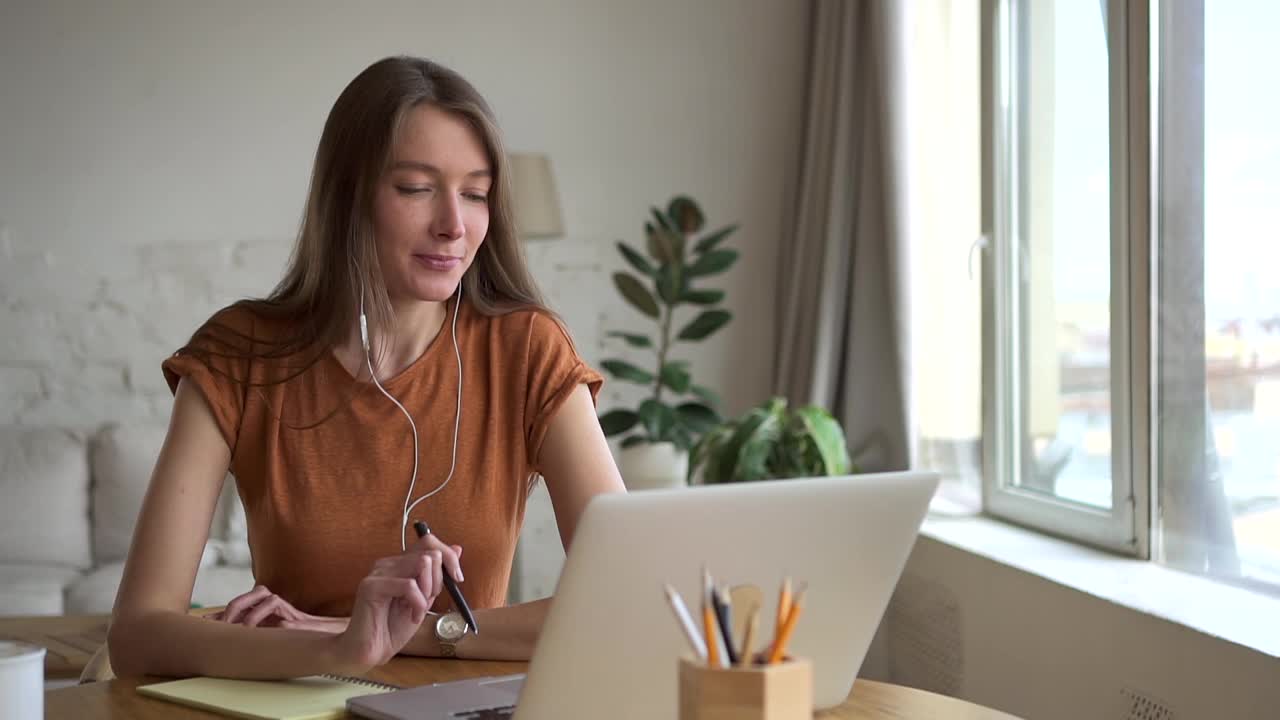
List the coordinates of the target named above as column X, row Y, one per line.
column 1131, row 297
column 1218, row 289
column 1060, row 414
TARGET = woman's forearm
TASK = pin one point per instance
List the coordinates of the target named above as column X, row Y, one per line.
column 179, row 645
column 506, row 633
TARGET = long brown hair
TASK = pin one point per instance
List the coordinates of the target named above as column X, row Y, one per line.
column 315, row 303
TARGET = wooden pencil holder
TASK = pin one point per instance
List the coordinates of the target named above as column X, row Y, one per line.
column 760, row 692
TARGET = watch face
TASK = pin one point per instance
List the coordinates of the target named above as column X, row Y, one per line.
column 451, row 626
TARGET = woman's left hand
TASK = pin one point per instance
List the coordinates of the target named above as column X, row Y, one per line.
column 262, row 608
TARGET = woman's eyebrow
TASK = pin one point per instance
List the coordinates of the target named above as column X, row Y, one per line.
column 429, row 168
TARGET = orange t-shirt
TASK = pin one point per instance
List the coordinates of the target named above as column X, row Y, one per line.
column 323, row 503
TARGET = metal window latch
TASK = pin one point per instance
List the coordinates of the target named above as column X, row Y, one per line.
column 980, row 243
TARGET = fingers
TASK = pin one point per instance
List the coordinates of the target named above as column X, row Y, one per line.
column 437, row 575
column 243, row 603
column 272, row 607
column 332, row 625
column 382, row 591
column 452, row 554
column 421, row 566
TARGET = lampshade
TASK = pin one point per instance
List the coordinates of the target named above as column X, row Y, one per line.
column 537, row 207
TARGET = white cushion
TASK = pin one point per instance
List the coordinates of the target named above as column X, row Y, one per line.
column 218, row 584
column 215, row 585
column 33, row 589
column 44, row 480
column 230, row 518
column 123, row 458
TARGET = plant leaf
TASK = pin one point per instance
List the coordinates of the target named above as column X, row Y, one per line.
column 617, row 421
column 633, row 339
column 634, row 440
column 675, row 375
column 702, row 297
column 670, row 283
column 709, row 454
column 624, row 370
column 685, row 214
column 661, row 243
column 662, row 220
column 753, row 461
column 697, row 417
column 745, row 453
column 706, row 323
column 709, row 242
column 635, row 293
column 674, row 236
column 637, row 260
column 827, row 436
column 680, row 436
column 711, row 263
column 657, row 418
column 707, row 394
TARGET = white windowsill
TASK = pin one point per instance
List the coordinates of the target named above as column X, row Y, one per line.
column 1237, row 615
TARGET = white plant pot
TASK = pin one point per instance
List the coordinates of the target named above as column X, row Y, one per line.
column 651, row 466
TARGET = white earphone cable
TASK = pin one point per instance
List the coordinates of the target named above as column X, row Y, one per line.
column 457, row 417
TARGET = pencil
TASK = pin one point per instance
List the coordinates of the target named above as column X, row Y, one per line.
column 784, row 608
column 749, row 636
column 720, row 603
column 784, row 636
column 686, row 623
column 713, row 637
column 709, row 622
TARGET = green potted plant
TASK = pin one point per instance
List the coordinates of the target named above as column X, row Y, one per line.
column 771, row 442
column 664, row 282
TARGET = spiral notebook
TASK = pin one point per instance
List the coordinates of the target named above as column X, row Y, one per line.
column 317, row 697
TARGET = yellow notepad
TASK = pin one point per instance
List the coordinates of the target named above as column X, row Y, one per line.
column 309, row 698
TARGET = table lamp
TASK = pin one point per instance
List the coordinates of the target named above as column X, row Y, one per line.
column 537, row 207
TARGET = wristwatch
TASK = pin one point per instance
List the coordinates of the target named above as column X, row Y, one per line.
column 450, row 629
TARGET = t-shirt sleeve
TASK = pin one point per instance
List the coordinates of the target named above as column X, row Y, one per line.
column 555, row 371
column 215, row 362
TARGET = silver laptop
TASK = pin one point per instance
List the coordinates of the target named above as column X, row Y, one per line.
column 610, row 644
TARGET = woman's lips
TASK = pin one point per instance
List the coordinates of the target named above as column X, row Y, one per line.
column 438, row 262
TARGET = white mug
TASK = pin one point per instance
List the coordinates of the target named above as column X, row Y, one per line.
column 21, row 681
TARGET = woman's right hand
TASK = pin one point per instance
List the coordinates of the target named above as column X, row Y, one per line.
column 393, row 600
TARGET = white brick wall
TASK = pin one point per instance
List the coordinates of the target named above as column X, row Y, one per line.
column 86, row 329
column 154, row 157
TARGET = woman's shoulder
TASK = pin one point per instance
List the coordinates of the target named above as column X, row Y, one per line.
column 525, row 328
column 242, row 324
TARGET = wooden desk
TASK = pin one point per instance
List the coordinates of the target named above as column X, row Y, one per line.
column 69, row 640
column 117, row 699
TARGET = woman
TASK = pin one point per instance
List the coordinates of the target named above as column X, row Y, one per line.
column 407, row 328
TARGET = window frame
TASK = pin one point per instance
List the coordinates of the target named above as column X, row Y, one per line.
column 1125, row 527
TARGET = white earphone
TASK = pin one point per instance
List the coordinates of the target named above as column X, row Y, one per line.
column 457, row 417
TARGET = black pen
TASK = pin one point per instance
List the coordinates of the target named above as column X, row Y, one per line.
column 720, row 604
column 449, row 584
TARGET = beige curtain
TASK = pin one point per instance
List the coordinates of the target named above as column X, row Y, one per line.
column 843, row 315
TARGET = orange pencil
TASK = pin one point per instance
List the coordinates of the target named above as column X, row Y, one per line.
column 709, row 623
column 713, row 644
column 784, row 609
column 784, row 636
